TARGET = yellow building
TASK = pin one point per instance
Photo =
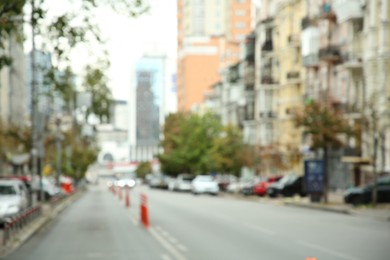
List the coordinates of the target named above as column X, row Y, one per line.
column 290, row 90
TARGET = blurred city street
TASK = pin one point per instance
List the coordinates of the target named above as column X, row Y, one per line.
column 184, row 226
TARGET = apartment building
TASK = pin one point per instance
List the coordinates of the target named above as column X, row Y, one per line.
column 209, row 37
column 13, row 87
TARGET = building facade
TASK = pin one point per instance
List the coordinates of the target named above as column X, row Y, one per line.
column 209, row 37
column 13, row 86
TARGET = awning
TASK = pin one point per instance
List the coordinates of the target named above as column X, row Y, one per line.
column 356, row 160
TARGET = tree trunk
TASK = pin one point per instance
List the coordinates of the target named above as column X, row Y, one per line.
column 325, row 191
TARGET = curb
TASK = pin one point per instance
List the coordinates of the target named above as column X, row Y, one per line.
column 40, row 223
column 319, row 207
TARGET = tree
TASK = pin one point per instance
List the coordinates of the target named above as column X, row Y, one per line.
column 327, row 128
column 143, row 169
column 199, row 144
column 227, row 151
column 9, row 9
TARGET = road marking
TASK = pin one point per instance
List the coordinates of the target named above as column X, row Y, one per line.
column 165, row 257
column 182, row 247
column 166, row 244
column 135, row 222
column 262, row 230
column 326, row 250
column 172, row 240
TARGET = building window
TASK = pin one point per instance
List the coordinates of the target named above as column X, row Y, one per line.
column 240, row 12
column 240, row 25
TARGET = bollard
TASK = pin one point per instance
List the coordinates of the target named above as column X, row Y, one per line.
column 144, row 211
column 127, row 201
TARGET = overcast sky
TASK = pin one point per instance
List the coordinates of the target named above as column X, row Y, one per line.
column 127, row 40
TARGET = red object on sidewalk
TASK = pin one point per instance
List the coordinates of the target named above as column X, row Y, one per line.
column 127, row 200
column 144, row 211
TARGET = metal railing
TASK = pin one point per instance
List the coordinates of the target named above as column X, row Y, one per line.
column 12, row 226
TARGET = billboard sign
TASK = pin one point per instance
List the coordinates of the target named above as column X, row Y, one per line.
column 314, row 176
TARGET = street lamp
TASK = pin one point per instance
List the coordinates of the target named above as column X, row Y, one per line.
column 59, row 139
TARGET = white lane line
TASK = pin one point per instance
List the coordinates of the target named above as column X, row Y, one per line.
column 166, row 244
column 165, row 257
column 262, row 230
column 172, row 240
column 326, row 250
column 182, row 247
column 135, row 222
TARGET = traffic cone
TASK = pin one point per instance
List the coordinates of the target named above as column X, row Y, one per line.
column 144, row 211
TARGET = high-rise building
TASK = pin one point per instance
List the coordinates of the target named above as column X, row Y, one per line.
column 209, row 37
column 148, row 104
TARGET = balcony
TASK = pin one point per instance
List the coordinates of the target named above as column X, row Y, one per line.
column 249, row 75
column 234, row 75
column 330, row 54
column 326, row 12
column 350, row 10
column 268, row 114
column 311, row 60
column 268, row 80
column 353, row 60
column 267, row 46
column 307, row 22
column 293, row 77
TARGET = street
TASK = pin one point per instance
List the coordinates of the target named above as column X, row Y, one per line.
column 184, row 226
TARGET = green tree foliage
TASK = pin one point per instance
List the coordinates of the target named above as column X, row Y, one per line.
column 199, row 144
column 227, row 151
column 96, row 83
column 325, row 125
column 143, row 169
column 10, row 10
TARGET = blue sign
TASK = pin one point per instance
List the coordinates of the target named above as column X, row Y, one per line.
column 314, row 176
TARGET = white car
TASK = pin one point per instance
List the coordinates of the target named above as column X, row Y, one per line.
column 205, row 184
column 181, row 183
column 13, row 198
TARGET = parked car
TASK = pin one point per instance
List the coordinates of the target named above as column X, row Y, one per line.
column 205, row 184
column 13, row 198
column 363, row 195
column 260, row 188
column 50, row 190
column 248, row 187
column 182, row 182
column 287, row 186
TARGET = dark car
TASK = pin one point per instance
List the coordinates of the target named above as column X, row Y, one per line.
column 363, row 195
column 287, row 186
column 293, row 187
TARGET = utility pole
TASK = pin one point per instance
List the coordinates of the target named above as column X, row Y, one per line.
column 34, row 101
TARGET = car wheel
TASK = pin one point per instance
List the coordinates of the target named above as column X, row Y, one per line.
column 356, row 201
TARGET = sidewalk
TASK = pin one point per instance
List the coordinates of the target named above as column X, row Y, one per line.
column 49, row 214
column 337, row 205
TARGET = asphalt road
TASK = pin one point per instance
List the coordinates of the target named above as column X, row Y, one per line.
column 184, row 226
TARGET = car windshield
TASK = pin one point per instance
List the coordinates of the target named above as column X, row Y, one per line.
column 7, row 190
column 204, row 178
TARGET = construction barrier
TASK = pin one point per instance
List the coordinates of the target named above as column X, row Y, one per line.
column 144, row 211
